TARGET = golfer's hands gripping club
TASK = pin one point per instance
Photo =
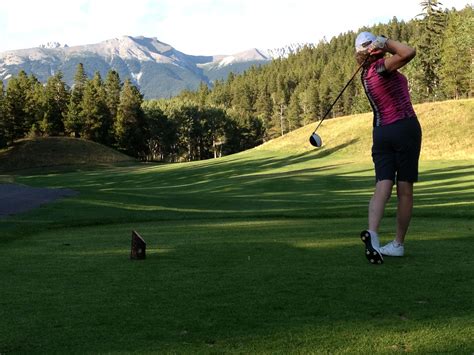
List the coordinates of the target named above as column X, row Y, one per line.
column 378, row 46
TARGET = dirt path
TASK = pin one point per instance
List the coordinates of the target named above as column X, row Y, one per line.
column 20, row 198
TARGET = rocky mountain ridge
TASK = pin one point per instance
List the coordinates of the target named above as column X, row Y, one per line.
column 157, row 68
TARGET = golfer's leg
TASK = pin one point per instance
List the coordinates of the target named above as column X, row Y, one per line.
column 383, row 190
column 404, row 209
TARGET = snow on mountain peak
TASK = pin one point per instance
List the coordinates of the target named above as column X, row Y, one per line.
column 255, row 54
column 285, row 51
column 245, row 56
column 52, row 45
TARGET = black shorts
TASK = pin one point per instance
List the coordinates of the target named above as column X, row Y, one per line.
column 396, row 150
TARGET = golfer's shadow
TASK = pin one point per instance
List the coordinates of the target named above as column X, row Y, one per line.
column 323, row 152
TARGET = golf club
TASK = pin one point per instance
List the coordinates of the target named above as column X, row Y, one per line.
column 315, row 139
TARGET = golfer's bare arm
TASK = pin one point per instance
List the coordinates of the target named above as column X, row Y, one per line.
column 401, row 55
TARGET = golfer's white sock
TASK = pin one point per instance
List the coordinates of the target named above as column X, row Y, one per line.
column 397, row 244
column 372, row 233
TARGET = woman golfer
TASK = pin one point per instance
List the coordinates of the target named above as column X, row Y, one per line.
column 396, row 138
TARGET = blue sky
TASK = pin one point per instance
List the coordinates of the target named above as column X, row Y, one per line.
column 200, row 27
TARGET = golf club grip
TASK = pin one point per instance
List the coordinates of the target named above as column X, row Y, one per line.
column 340, row 94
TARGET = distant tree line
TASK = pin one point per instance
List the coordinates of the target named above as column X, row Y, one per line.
column 113, row 113
column 244, row 110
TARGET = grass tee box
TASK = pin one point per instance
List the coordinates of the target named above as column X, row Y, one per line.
column 258, row 252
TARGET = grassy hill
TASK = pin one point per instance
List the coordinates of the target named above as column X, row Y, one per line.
column 447, row 133
column 58, row 151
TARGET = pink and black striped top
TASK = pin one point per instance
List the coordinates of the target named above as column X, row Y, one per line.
column 387, row 93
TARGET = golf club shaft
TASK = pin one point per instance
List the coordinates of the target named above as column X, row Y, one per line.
column 340, row 94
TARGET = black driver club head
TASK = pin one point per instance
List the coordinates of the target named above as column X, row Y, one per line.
column 316, row 140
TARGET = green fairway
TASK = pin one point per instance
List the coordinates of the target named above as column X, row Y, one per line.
column 257, row 252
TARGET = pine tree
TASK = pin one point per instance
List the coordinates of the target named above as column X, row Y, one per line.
column 203, row 93
column 94, row 111
column 113, row 86
column 106, row 119
column 281, row 99
column 456, row 61
column 220, row 94
column 310, row 102
column 131, row 132
column 432, row 25
column 35, row 106
column 15, row 103
column 295, row 111
column 74, row 121
column 394, row 29
column 242, row 96
column 56, row 100
column 191, row 130
column 264, row 108
column 279, row 112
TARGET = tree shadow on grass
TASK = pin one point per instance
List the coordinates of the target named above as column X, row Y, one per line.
column 298, row 186
column 330, row 151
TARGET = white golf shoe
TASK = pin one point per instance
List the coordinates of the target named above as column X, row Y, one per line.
column 372, row 247
column 393, row 249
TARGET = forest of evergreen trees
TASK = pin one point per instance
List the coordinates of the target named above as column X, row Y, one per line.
column 244, row 110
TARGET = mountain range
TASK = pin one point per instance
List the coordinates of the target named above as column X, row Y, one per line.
column 158, row 69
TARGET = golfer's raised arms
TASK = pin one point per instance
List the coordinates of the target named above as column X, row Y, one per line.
column 401, row 55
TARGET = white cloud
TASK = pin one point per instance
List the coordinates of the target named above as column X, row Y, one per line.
column 72, row 22
column 194, row 26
